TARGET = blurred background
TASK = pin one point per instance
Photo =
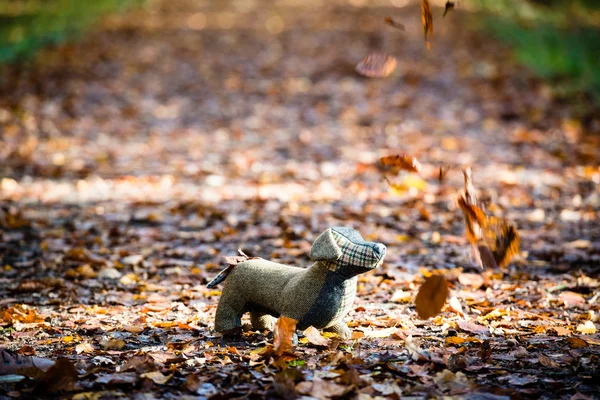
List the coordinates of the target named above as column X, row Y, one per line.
column 557, row 39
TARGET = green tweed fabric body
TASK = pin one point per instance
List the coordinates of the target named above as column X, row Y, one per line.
column 320, row 295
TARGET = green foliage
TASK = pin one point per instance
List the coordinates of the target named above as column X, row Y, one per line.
column 557, row 39
column 27, row 25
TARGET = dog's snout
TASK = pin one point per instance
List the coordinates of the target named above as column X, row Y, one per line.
column 379, row 250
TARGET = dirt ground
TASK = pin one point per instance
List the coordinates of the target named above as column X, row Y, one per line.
column 132, row 161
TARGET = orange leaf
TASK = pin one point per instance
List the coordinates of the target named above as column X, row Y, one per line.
column 284, row 335
column 399, row 162
column 432, row 296
column 427, row 20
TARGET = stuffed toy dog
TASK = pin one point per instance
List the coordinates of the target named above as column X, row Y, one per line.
column 320, row 295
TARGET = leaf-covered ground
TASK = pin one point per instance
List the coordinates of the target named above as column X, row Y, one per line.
column 134, row 160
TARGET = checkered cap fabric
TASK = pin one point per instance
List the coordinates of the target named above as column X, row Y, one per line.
column 355, row 254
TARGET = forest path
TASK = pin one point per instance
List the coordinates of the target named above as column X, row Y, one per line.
column 132, row 161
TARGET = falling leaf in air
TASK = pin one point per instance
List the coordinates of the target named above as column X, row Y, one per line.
column 391, row 22
column 376, row 65
column 449, row 6
column 314, row 336
column 432, row 296
column 494, row 241
column 284, row 335
column 400, row 162
column 427, row 20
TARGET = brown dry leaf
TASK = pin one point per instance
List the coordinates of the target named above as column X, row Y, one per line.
column 284, row 334
column 562, row 331
column 157, row 377
column 576, row 342
column 390, row 21
column 60, row 377
column 376, row 65
column 27, row 351
column 427, row 20
column 547, row 361
column 400, row 162
column 314, row 336
column 473, row 327
column 494, row 240
column 432, row 296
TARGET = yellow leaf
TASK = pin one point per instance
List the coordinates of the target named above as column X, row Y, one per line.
column 588, row 328
column 68, row 339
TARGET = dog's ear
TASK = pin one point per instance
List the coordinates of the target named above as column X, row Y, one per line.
column 325, row 248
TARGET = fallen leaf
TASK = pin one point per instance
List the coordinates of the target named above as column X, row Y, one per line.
column 473, row 328
column 322, row 389
column 547, row 361
column 456, row 306
column 575, row 342
column 314, row 336
column 113, row 344
column 157, row 377
column 85, row 348
column 376, row 65
column 455, row 340
column 588, row 328
column 284, row 334
column 432, row 296
column 473, row 280
column 571, row 299
column 133, row 328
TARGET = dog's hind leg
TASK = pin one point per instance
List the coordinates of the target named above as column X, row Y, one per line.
column 228, row 318
column 262, row 321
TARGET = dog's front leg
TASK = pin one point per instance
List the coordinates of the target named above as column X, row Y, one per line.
column 341, row 329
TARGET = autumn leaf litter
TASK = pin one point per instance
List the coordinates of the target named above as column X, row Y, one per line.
column 117, row 208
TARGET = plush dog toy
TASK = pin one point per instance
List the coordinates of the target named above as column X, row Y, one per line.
column 320, row 295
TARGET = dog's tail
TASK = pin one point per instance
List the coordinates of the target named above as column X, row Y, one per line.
column 221, row 277
column 232, row 261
